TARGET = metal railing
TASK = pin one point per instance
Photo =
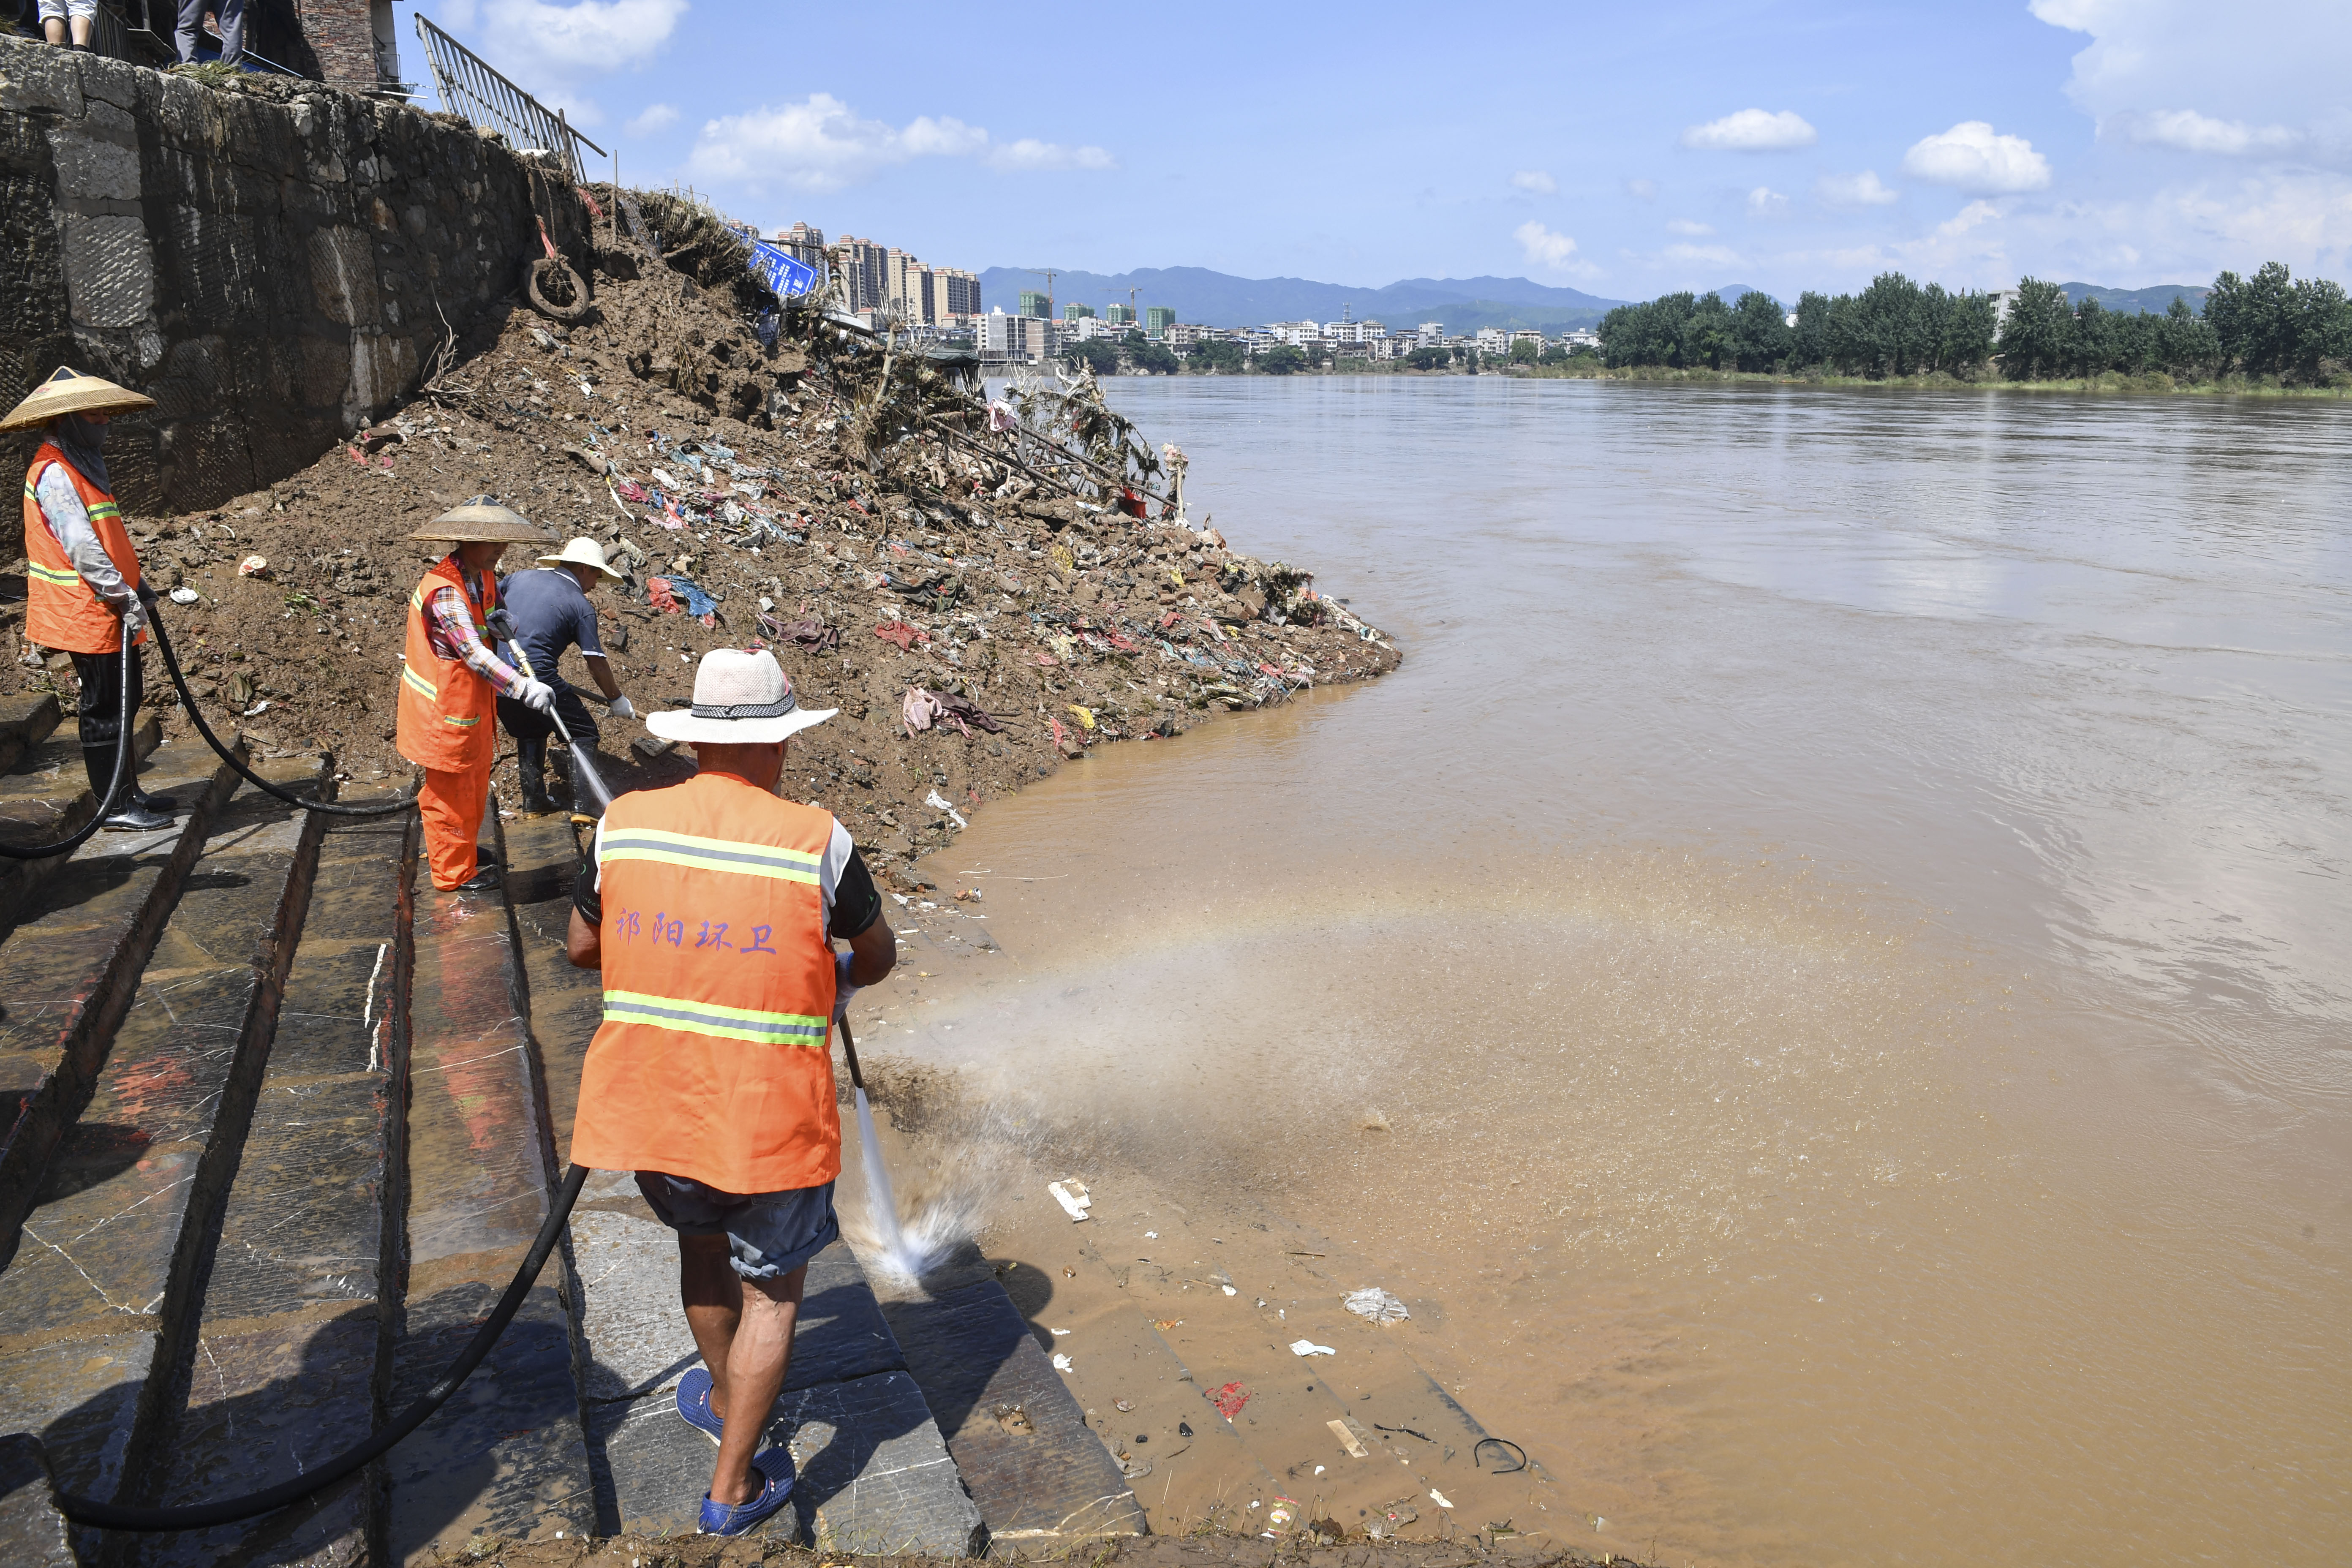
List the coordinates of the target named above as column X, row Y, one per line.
column 470, row 86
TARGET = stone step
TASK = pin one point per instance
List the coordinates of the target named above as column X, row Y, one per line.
column 99, row 1303
column 45, row 796
column 507, row 1456
column 1040, row 1476
column 68, row 967
column 294, row 1346
column 875, row 1475
column 24, row 722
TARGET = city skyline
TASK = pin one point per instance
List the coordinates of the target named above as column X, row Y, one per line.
column 1802, row 145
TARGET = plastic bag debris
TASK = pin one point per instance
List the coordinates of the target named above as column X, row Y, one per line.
column 940, row 803
column 1075, row 1203
column 1061, row 1363
column 1439, row 1498
column 1375, row 1304
column 1230, row 1399
column 185, row 595
column 1308, row 1347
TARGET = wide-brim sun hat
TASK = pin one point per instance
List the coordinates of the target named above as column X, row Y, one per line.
column 482, row 521
column 70, row 392
column 581, row 552
column 740, row 700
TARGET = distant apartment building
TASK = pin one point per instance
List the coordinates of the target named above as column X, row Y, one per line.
column 1076, row 313
column 1157, row 320
column 1528, row 335
column 803, row 245
column 1184, row 334
column 1035, row 302
column 1087, row 329
column 1493, row 341
column 862, row 267
column 1003, row 340
column 1119, row 315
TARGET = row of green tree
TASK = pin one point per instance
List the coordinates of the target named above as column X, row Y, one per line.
column 2271, row 324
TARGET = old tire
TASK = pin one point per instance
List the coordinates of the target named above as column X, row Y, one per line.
column 551, row 278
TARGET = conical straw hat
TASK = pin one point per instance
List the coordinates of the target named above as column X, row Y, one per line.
column 70, row 392
column 482, row 521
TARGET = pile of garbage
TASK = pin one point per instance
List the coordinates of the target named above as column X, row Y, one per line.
column 986, row 589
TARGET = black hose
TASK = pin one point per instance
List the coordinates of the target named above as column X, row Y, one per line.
column 188, row 700
column 203, row 1516
column 122, row 747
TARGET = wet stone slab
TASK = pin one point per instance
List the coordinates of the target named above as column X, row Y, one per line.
column 874, row 1475
column 106, row 1236
column 79, row 1396
column 507, row 1454
column 1043, row 1475
column 33, row 1534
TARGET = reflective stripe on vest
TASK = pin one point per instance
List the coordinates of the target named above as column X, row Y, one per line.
column 60, row 611
column 711, row 854
column 722, row 1022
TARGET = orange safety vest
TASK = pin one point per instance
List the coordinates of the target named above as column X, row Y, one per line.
column 445, row 708
column 714, row 1060
column 60, row 611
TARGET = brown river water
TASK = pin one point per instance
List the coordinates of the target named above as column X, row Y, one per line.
column 1842, row 917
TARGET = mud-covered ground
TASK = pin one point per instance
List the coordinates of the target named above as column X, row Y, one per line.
column 1301, row 1549
column 1050, row 624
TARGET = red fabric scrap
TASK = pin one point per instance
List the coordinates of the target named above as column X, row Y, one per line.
column 899, row 632
column 658, row 590
column 1230, row 1399
column 1170, row 619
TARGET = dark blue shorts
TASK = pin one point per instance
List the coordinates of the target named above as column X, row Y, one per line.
column 768, row 1234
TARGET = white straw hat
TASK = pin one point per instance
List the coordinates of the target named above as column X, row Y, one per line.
column 740, row 700
column 581, row 552
column 70, row 392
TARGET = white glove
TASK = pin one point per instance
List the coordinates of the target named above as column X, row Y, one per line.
column 621, row 707
column 536, row 695
column 842, row 988
column 135, row 620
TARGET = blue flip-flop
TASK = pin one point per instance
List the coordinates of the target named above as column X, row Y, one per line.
column 737, row 1519
column 694, row 1404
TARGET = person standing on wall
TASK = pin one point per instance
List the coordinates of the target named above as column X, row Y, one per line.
column 82, row 576
column 450, row 680
column 712, row 907
column 552, row 612
column 64, row 18
column 190, row 30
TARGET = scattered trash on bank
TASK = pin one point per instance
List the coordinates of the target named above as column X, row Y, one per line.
column 1308, row 1347
column 1073, row 1197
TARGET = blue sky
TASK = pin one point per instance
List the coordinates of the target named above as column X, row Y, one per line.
column 1623, row 150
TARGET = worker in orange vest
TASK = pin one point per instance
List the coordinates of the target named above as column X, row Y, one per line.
column 450, row 683
column 712, row 907
column 83, row 591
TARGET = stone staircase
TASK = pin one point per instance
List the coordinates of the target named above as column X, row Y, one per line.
column 279, row 1123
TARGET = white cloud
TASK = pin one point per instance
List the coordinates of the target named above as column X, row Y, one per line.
column 1766, row 201
column 1973, row 157
column 585, row 37
column 1685, row 226
column 1535, row 182
column 1863, row 190
column 1031, row 153
column 1717, row 255
column 1642, row 190
column 2189, row 132
column 820, row 144
column 655, row 117
column 1550, row 251
column 1752, row 131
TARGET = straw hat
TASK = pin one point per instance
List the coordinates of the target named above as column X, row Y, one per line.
column 481, row 521
column 740, row 700
column 581, row 552
column 70, row 392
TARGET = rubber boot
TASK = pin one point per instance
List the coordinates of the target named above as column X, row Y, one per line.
column 128, row 816
column 530, row 761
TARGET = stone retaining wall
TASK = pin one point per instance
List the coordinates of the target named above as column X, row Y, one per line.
column 272, row 264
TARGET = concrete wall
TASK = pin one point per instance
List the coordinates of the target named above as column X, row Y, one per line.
column 272, row 266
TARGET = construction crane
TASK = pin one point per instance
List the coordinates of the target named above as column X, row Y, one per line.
column 1048, row 274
